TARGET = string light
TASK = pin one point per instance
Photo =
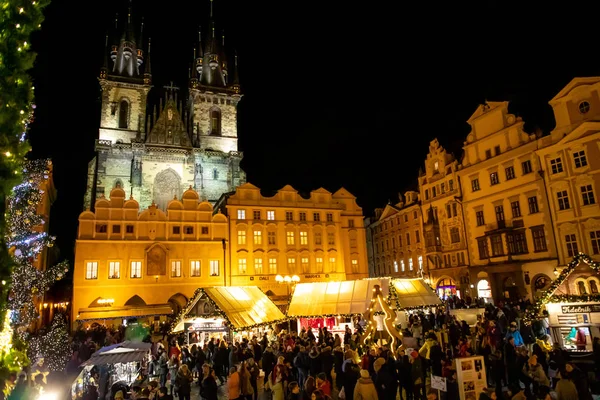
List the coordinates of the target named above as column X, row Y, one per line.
column 548, row 295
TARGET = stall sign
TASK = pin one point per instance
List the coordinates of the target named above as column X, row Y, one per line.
column 438, row 383
column 205, row 327
column 582, row 308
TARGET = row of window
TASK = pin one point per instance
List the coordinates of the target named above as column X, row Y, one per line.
column 573, row 248
column 135, row 269
column 587, row 286
column 587, row 197
column 290, row 238
column 579, row 161
column 129, row 229
column 516, row 243
column 515, row 208
column 440, row 188
column 257, row 215
column 387, row 241
column 386, row 268
column 292, row 265
column 390, row 223
column 509, row 173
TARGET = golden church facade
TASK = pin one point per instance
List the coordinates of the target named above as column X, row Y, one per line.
column 139, row 263
column 444, row 228
column 317, row 237
column 397, row 243
column 509, row 229
column 570, row 161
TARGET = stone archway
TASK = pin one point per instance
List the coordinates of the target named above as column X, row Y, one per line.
column 167, row 185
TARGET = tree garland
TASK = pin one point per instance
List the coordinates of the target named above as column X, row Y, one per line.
column 53, row 346
column 548, row 296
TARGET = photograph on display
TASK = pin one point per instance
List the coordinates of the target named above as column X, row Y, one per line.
column 470, row 395
column 469, row 386
column 466, row 365
column 478, row 366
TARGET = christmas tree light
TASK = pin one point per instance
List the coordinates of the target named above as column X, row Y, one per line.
column 53, row 346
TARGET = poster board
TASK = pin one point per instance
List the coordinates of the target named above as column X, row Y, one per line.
column 438, row 383
column 470, row 373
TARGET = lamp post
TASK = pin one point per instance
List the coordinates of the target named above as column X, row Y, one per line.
column 288, row 281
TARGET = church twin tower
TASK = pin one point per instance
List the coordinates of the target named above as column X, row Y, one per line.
column 156, row 155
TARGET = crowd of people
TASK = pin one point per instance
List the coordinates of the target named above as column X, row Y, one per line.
column 521, row 362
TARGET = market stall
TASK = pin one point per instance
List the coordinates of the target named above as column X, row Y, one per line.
column 116, row 366
column 572, row 305
column 225, row 312
column 332, row 304
column 411, row 295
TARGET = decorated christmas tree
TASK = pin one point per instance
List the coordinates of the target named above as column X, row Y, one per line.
column 53, row 346
column 18, row 20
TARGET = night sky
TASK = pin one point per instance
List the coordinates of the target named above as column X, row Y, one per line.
column 335, row 93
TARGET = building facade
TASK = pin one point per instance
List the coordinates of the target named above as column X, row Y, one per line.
column 397, row 239
column 507, row 215
column 145, row 263
column 570, row 161
column 444, row 230
column 319, row 237
column 156, row 154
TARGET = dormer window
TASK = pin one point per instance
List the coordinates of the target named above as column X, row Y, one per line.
column 584, row 107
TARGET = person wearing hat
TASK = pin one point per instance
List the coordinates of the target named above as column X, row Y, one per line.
column 514, row 333
column 535, row 371
column 365, row 388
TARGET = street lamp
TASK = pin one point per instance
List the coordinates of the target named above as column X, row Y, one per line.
column 288, row 281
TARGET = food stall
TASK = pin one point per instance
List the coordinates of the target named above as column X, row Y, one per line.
column 572, row 306
column 332, row 304
column 226, row 312
column 119, row 365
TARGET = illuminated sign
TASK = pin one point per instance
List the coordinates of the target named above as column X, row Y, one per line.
column 583, row 308
column 208, row 326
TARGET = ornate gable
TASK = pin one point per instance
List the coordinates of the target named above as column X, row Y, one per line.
column 169, row 128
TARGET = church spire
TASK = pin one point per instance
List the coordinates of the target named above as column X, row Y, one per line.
column 148, row 68
column 126, row 54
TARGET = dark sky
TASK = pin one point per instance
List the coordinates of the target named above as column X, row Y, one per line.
column 336, row 93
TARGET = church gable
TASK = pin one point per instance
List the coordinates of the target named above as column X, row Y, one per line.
column 169, row 129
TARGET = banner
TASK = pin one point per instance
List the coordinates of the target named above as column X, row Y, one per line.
column 470, row 373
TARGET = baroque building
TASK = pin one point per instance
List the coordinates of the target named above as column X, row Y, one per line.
column 570, row 162
column 446, row 247
column 155, row 155
column 507, row 214
column 131, row 262
column 319, row 237
column 396, row 235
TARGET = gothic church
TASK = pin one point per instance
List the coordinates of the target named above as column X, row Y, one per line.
column 156, row 155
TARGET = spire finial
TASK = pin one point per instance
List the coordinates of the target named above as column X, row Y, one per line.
column 223, row 35
column 129, row 12
column 116, row 21
column 211, row 9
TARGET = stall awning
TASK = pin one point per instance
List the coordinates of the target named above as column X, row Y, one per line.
column 319, row 299
column 120, row 353
column 414, row 293
column 86, row 314
column 244, row 306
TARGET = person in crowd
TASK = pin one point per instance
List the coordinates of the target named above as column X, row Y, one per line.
column 365, row 388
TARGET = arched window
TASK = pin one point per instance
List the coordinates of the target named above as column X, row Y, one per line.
column 215, row 122
column 593, row 286
column 123, row 114
column 581, row 287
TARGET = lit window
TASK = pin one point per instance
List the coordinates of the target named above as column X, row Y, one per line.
column 319, row 264
column 402, row 265
column 395, row 266
column 136, row 269
column 91, row 270
column 258, row 266
column 305, row 264
column 291, row 265
column 241, row 237
column 175, row 269
column 304, row 238
column 242, row 267
column 272, row 266
column 355, row 266
column 332, row 264
column 420, row 259
column 195, row 268
column 114, row 270
column 214, row 268
column 410, row 264
column 258, row 237
column 271, row 215
column 290, row 240
column 241, row 214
